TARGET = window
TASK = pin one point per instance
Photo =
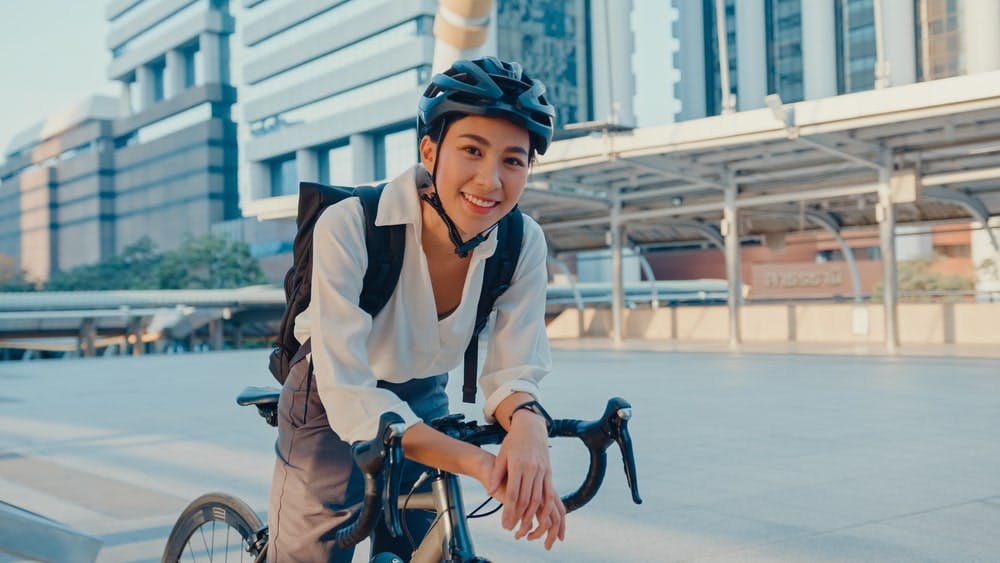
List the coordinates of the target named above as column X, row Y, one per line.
column 395, row 152
column 336, row 166
column 157, row 74
column 855, row 31
column 784, row 49
column 284, row 176
column 189, row 68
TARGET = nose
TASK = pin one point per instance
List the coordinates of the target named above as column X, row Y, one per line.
column 488, row 174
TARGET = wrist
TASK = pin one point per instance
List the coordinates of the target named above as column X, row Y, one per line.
column 528, row 417
column 536, row 409
column 481, row 466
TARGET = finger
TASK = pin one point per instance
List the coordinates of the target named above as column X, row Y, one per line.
column 546, row 517
column 531, row 508
column 550, row 540
column 545, row 524
column 562, row 519
column 558, row 529
column 511, row 511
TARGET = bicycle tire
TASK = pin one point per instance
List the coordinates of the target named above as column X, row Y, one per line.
column 188, row 536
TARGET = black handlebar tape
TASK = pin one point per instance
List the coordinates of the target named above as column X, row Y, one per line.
column 370, row 456
column 595, row 476
column 361, row 528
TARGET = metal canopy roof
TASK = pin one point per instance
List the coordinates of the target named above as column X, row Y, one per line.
column 817, row 160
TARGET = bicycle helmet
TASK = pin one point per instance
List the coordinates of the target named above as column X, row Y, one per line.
column 485, row 87
column 489, row 87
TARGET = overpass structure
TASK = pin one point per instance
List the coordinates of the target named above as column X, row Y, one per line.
column 920, row 153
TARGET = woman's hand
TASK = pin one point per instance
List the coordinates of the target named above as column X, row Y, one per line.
column 522, row 478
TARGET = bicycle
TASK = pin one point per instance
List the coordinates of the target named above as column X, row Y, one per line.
column 380, row 459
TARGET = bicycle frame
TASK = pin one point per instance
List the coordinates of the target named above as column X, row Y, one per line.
column 450, row 532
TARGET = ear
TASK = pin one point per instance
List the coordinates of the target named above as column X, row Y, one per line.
column 428, row 152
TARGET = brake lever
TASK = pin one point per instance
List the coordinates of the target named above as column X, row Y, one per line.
column 393, row 440
column 621, row 435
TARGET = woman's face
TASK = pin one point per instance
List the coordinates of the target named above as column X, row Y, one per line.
column 482, row 170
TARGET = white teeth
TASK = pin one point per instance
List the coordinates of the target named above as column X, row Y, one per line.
column 480, row 202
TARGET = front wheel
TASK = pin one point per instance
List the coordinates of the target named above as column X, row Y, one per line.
column 216, row 527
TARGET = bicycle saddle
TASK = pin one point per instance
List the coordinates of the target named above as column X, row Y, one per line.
column 258, row 396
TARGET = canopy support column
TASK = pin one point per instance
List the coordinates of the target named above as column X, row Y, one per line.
column 885, row 214
column 617, row 284
column 730, row 230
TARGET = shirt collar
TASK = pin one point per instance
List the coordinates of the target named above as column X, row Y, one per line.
column 400, row 205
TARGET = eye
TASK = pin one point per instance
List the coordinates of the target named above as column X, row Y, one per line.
column 473, row 150
column 515, row 161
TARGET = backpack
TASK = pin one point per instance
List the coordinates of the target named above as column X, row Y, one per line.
column 385, row 246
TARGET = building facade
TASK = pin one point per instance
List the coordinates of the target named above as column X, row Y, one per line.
column 331, row 88
column 57, row 191
column 820, row 48
column 175, row 154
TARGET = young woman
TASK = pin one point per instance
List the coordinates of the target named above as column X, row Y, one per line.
column 481, row 123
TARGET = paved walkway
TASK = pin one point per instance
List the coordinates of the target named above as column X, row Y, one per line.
column 741, row 457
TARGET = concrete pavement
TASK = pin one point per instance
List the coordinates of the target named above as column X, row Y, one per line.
column 741, row 456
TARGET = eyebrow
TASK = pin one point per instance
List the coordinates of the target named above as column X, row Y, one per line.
column 512, row 148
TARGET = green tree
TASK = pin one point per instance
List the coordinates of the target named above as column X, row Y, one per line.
column 210, row 262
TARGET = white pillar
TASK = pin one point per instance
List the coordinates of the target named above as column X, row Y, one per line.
column 174, row 73
column 886, row 216
column 751, row 55
column 980, row 40
column 363, row 158
column 617, row 281
column 730, row 228
column 146, row 81
column 819, row 49
column 307, row 165
column 690, row 59
column 209, row 45
column 899, row 35
column 611, row 54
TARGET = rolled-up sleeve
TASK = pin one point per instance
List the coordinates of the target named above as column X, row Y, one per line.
column 518, row 356
column 339, row 328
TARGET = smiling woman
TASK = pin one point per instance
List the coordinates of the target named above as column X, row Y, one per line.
column 480, row 125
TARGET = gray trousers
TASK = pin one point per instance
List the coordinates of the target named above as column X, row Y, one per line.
column 316, row 487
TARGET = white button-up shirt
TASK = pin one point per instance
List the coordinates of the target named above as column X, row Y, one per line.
column 351, row 351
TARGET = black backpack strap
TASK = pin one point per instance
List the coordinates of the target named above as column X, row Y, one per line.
column 385, row 246
column 499, row 271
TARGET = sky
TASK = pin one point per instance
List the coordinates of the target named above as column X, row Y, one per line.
column 53, row 56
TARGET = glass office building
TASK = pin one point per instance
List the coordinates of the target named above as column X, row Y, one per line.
column 807, row 49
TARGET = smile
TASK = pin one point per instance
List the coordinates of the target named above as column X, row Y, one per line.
column 480, row 202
